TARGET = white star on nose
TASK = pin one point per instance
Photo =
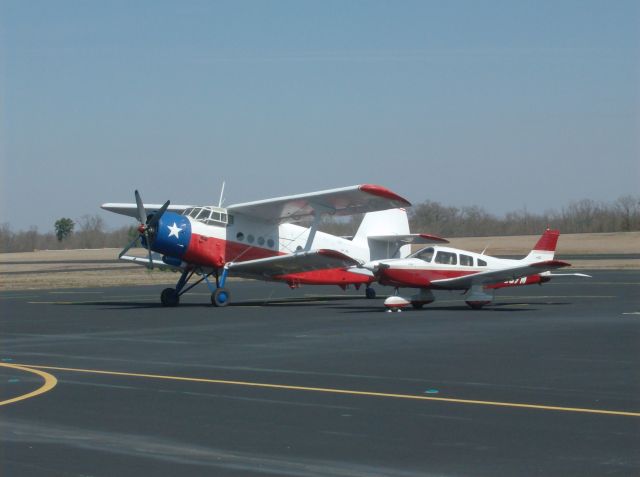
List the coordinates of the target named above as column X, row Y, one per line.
column 174, row 230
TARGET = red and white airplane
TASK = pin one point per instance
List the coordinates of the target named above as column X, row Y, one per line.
column 478, row 275
column 260, row 239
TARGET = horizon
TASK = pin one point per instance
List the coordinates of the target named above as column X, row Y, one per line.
column 121, row 221
column 507, row 106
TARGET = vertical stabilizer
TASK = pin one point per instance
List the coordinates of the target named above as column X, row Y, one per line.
column 384, row 222
column 545, row 248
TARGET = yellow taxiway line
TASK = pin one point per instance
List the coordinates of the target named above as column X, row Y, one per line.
column 343, row 391
column 50, row 382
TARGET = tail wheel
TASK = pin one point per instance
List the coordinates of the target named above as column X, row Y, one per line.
column 220, row 297
column 169, row 297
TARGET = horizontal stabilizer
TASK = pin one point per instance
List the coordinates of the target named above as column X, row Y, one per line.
column 584, row 275
column 417, row 239
column 293, row 263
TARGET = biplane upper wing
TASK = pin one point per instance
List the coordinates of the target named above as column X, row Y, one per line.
column 132, row 210
column 415, row 239
column 294, row 263
column 502, row 275
column 344, row 201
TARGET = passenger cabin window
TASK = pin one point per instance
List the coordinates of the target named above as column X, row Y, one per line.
column 446, row 258
column 466, row 260
column 425, row 254
column 482, row 263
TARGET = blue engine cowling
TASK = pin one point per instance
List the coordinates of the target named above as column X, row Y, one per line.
column 172, row 235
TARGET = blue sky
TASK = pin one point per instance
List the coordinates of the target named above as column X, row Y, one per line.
column 500, row 104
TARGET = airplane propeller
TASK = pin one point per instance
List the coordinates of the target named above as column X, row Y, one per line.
column 375, row 266
column 147, row 225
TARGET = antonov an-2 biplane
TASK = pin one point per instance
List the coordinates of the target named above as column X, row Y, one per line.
column 261, row 239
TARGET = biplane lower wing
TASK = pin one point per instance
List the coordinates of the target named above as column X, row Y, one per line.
column 293, row 263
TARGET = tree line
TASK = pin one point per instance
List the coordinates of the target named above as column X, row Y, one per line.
column 584, row 216
column 89, row 231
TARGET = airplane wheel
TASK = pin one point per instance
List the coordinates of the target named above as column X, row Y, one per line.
column 475, row 306
column 370, row 293
column 169, row 297
column 220, row 297
column 417, row 305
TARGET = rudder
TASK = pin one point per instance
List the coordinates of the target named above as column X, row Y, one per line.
column 384, row 222
column 545, row 247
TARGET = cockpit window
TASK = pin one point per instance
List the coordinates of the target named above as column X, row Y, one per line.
column 208, row 215
column 203, row 215
column 425, row 254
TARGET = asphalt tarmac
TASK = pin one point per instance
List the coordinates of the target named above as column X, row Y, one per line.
column 319, row 382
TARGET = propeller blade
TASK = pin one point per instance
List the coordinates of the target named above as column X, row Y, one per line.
column 155, row 218
column 126, row 249
column 142, row 214
column 148, row 240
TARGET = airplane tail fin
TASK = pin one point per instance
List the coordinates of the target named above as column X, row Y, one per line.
column 383, row 223
column 545, row 248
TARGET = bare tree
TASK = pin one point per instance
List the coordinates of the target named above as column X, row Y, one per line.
column 629, row 209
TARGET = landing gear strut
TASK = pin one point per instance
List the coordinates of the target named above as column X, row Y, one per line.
column 219, row 295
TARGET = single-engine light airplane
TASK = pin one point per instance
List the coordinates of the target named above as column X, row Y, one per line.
column 260, row 239
column 478, row 275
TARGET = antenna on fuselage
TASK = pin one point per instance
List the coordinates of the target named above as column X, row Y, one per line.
column 221, row 195
column 485, row 249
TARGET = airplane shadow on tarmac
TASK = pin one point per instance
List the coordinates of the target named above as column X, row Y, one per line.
column 496, row 307
column 274, row 302
column 329, row 302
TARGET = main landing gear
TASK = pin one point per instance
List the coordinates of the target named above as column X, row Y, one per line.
column 477, row 297
column 370, row 293
column 220, row 296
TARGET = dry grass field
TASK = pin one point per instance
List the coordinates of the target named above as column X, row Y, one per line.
column 94, row 268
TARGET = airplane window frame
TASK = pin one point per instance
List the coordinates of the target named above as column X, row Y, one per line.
column 452, row 258
column 470, row 260
column 426, row 254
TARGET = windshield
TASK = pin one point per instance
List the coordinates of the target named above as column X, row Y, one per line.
column 425, row 254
